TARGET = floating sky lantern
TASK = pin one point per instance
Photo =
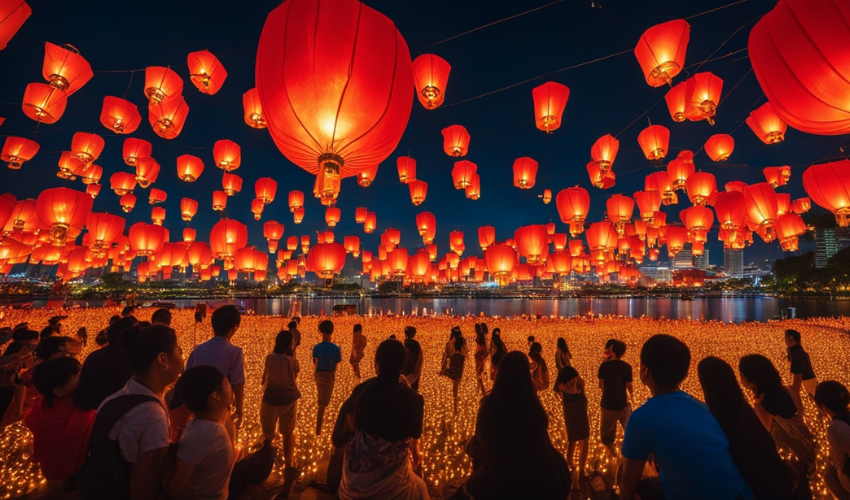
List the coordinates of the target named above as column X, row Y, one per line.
column 463, row 173
column 162, row 84
column 828, row 185
column 573, row 205
column 63, row 210
column 158, row 215
column 370, row 223
column 677, row 100
column 17, row 150
column 718, row 147
column 546, row 196
column 430, row 77
column 767, row 125
column 147, row 171
column 122, row 183
column 231, row 183
column 525, row 172
column 265, row 189
column 703, row 91
column 455, row 140
column 604, row 151
column 188, row 208
column 701, row 187
column 12, row 17
column 332, row 216
column 654, row 141
column 44, row 103
column 206, row 71
column 120, row 115
column 550, row 99
column 253, row 109
column 426, row 223
column 366, row 177
column 65, row 68
column 127, row 202
column 157, row 196
column 406, row 169
column 661, row 51
column 168, row 117
column 219, row 201
column 418, row 191
column 360, row 214
column 473, row 190
column 189, row 168
column 257, row 207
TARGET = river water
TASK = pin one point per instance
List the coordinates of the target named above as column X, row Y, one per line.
column 730, row 309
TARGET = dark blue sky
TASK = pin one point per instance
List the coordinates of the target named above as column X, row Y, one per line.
column 605, row 97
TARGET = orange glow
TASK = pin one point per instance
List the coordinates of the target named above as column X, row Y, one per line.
column 525, row 172
column 44, row 103
column 456, row 141
column 17, row 150
column 65, row 68
column 550, row 99
column 430, row 77
column 207, row 73
column 189, row 168
column 162, row 84
column 120, row 115
column 253, row 109
column 168, row 117
column 654, row 141
column 661, row 51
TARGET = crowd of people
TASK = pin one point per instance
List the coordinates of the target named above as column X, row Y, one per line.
column 139, row 418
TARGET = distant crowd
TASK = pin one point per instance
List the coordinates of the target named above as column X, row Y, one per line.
column 135, row 421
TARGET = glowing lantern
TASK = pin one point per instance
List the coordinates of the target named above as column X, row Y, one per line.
column 601, row 236
column 147, row 239
column 661, row 51
column 677, row 236
column 158, row 215
column 147, row 170
column 157, row 196
column 332, row 216
column 788, row 228
column 654, row 141
column 648, row 202
column 65, row 68
column 104, row 228
column 44, row 103
column 783, row 205
column 828, row 185
column 93, row 190
column 393, row 236
column 797, row 53
column 598, row 178
column 660, row 181
column 677, row 101
column 273, row 232
column 231, row 183
column 227, row 154
column 296, row 200
column 219, row 201
column 547, row 196
column 92, row 174
column 455, row 140
column 398, row 261
column 760, row 207
column 729, row 207
column 12, row 17
column 134, row 149
column 257, row 206
column 352, row 245
column 680, row 169
column 127, row 202
column 455, row 240
column 573, row 204
column 162, row 84
column 87, row 147
column 426, row 223
column 298, row 215
column 265, row 189
column 122, row 183
column 207, row 73
column 406, row 169
column 360, row 215
column 532, row 243
column 462, row 173
column 189, row 168
column 63, row 210
column 719, row 147
column 370, row 223
column 767, row 125
column 603, row 152
column 327, row 259
column 550, row 99
column 559, row 240
column 292, row 243
column 701, row 187
column 227, row 237
column 486, row 236
column 697, row 218
column 120, row 115
column 168, row 117
column 620, row 209
column 473, row 190
column 419, row 266
column 430, row 76
column 801, row 205
column 432, row 251
column 253, row 109
column 735, row 186
column 777, row 176
column 70, row 166
column 188, row 207
column 418, row 191
column 500, row 260
column 189, row 235
column 307, row 71
column 525, row 172
column 703, row 93
column 366, row 177
column 17, row 150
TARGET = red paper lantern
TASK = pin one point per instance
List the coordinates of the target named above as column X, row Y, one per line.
column 257, row 206
column 486, row 236
column 828, row 185
column 168, row 117
column 661, row 51
column 603, row 152
column 147, row 170
column 296, row 200
column 777, row 176
column 162, row 84
column 188, row 207
column 227, row 154
column 158, row 215
column 273, row 232
column 134, row 149
column 680, row 169
column 227, row 237
column 17, row 150
column 147, row 239
column 573, row 204
column 370, row 223
column 760, row 206
column 253, row 109
column 455, row 140
column 660, row 181
column 231, row 183
column 120, row 115
column 44, row 103
column 87, row 147
column 703, row 93
column 788, row 228
column 65, row 68
column 718, row 147
column 550, row 99
column 265, row 189
column 189, row 168
column 104, row 228
column 701, row 187
column 601, row 236
column 157, row 196
column 63, row 210
column 360, row 215
column 70, row 166
column 463, row 173
column 532, row 243
column 767, row 125
column 599, row 179
column 801, row 205
column 298, row 215
column 546, row 196
column 127, row 202
column 620, row 209
column 93, row 190
column 677, row 101
column 525, row 172
column 406, row 169
column 473, row 190
column 501, row 260
column 648, row 202
column 366, row 177
column 654, row 141
column 430, row 77
column 418, row 191
column 783, row 201
column 332, row 216
column 327, row 259
column 798, row 53
column 334, row 86
column 426, row 223
column 219, row 201
column 677, row 236
column 12, row 17
column 206, row 72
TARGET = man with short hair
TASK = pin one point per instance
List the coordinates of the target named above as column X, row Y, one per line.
column 615, row 380
column 801, row 365
column 221, row 353
column 161, row 317
column 326, row 356
column 680, row 433
column 413, row 363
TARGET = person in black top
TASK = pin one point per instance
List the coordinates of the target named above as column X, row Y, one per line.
column 498, row 350
column 413, row 361
column 751, row 446
column 801, row 365
column 105, row 371
column 615, row 380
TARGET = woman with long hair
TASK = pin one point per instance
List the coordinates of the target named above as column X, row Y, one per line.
column 512, row 454
column 453, row 361
column 482, row 352
column 779, row 408
column 537, row 365
column 279, row 406
column 498, row 350
column 563, row 357
column 750, row 444
column 574, row 401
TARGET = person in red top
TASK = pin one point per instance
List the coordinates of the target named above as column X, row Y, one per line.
column 60, row 429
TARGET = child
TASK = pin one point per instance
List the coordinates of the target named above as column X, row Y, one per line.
column 60, row 429
column 205, row 454
column 571, row 387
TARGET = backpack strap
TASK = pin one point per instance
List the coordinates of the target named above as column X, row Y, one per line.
column 111, row 413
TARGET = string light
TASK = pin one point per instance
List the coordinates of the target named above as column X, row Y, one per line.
column 445, row 435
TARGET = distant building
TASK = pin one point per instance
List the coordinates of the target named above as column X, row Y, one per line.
column 828, row 242
column 701, row 261
column 733, row 261
column 684, row 259
column 664, row 275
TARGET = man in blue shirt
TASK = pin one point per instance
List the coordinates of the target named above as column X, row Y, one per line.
column 326, row 355
column 680, row 433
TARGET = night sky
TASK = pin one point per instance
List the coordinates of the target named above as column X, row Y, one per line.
column 605, row 97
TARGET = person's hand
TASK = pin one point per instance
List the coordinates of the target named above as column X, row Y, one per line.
column 237, row 417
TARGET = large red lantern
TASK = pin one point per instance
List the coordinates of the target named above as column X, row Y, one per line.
column 104, row 228
column 426, row 223
column 620, row 209
column 63, row 210
column 680, row 169
column 189, row 168
column 406, row 169
column 573, row 204
column 334, row 86
column 87, row 146
column 486, row 236
column 398, row 261
column 70, row 166
column 127, row 202
column 65, row 68
column 677, row 236
column 253, row 109
column 162, row 84
column 219, row 201
column 332, row 216
column 660, row 181
column 265, row 189
column 798, row 53
column 227, row 237
column 654, row 141
column 703, row 92
column 718, row 147
column 701, row 187
column 120, row 115
column 767, row 125
column 227, row 154
column 525, row 172
column 463, row 173
column 147, row 239
column 788, row 228
column 697, row 218
column 677, row 101
column 44, row 103
column 273, row 232
column 168, row 117
column 207, row 73
column 326, row 259
column 455, row 140
column 777, row 176
column 352, row 245
column 418, row 191
column 648, row 202
column 760, row 206
column 158, row 215
column 661, row 51
column 532, row 243
column 231, row 183
column 604, row 151
column 12, row 17
column 122, row 183
column 133, row 149
column 828, row 185
column 147, row 170
column 157, row 196
column 550, row 99
column 188, row 208
column 601, row 236
column 430, row 77
column 17, row 150
column 24, row 218
column 500, row 260
column 599, row 179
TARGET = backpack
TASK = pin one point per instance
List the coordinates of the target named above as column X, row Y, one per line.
column 105, row 474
